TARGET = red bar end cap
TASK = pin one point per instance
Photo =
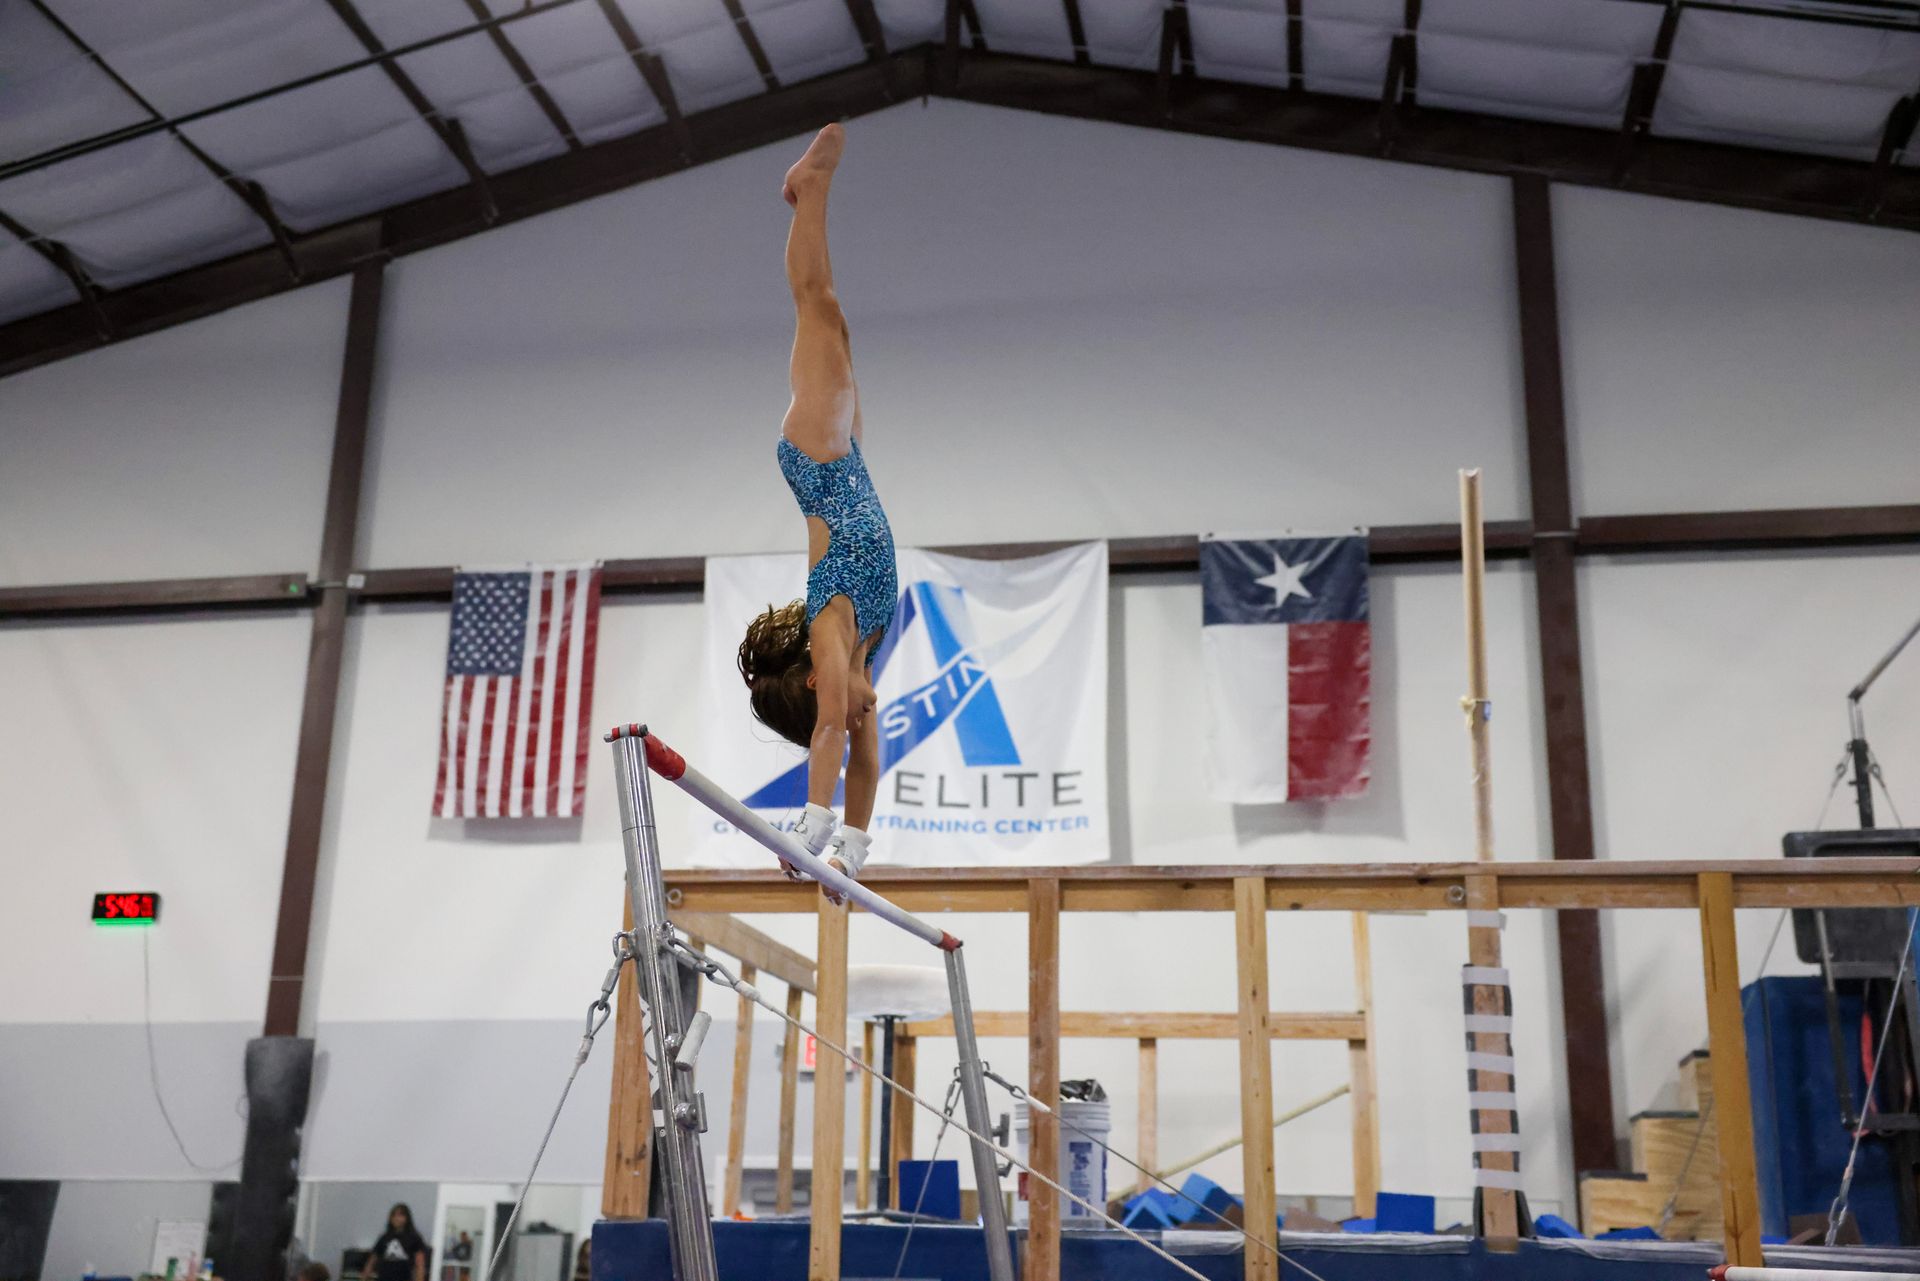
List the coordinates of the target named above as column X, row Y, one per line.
column 948, row 943
column 666, row 762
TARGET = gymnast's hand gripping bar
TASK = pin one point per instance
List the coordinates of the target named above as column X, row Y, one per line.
column 673, row 767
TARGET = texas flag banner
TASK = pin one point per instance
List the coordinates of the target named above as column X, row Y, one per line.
column 1288, row 666
column 519, row 693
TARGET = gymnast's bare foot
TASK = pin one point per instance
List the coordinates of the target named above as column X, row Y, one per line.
column 815, row 169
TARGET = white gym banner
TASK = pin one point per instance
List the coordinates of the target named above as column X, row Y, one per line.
column 992, row 684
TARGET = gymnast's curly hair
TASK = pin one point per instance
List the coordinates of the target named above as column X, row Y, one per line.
column 775, row 664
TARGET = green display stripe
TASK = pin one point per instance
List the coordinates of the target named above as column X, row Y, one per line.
column 123, row 922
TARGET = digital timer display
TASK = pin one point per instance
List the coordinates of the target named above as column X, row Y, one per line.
column 137, row 908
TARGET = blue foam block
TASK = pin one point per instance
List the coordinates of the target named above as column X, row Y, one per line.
column 1144, row 1214
column 1555, row 1227
column 1629, row 1234
column 1402, row 1212
column 1358, row 1225
column 942, row 1180
column 1205, row 1192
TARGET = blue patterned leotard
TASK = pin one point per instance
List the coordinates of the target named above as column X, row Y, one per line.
column 859, row 563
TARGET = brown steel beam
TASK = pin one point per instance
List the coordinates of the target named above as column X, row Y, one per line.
column 153, row 596
column 445, row 128
column 287, row 984
column 1776, row 530
column 1296, row 48
column 1583, row 1000
column 654, row 72
column 737, row 13
column 1643, row 92
column 67, row 265
column 524, row 74
column 1077, row 33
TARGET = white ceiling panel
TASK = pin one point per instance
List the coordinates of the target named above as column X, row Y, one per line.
column 1527, row 80
column 804, row 38
column 1598, row 26
column 605, row 99
column 659, row 21
column 909, row 22
column 1240, row 44
column 50, row 92
column 1341, row 57
column 1802, row 50
column 404, row 22
column 1771, row 111
column 29, row 284
column 470, row 81
column 1391, row 14
column 332, row 149
column 709, row 66
column 187, row 54
column 134, row 211
column 1122, row 33
column 1036, row 28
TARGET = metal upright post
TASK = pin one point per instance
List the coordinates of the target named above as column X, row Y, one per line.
column 679, row 1109
column 973, row 1095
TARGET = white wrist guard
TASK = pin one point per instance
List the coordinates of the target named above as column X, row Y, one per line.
column 851, row 846
column 815, row 828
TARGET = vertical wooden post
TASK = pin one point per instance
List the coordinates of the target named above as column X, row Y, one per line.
column 1360, row 1068
column 629, row 1173
column 737, row 1113
column 905, row 1053
column 1256, row 1074
column 829, row 1093
column 863, row 1165
column 789, row 1103
column 1500, row 1207
column 1147, row 1141
column 1473, row 563
column 1727, row 1051
column 1043, row 1077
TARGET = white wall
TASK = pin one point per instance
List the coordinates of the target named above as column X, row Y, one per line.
column 1062, row 329
column 195, row 451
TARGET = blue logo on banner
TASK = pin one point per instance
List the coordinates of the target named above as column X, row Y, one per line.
column 960, row 694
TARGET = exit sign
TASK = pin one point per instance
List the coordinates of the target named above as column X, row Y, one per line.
column 138, row 907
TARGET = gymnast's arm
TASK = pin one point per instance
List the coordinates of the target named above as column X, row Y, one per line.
column 863, row 772
column 831, row 647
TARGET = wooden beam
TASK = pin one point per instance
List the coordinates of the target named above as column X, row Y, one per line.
column 1043, row 1077
column 627, row 1182
column 863, row 1162
column 1350, row 887
column 1330, row 1025
column 906, row 1050
column 313, row 755
column 737, row 1111
column 789, row 1103
column 1499, row 1207
column 1583, row 993
column 1256, row 1076
column 1146, row 1143
column 829, row 1093
column 1361, row 1079
column 1727, row 1050
column 749, row 946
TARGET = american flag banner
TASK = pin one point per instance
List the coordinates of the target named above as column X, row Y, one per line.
column 1288, row 658
column 519, row 694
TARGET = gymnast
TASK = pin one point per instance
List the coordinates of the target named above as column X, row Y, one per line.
column 807, row 664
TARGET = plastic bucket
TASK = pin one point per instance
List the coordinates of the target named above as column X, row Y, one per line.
column 1083, row 1164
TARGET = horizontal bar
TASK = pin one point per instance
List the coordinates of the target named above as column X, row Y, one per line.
column 1330, row 1025
column 673, row 767
column 1365, row 887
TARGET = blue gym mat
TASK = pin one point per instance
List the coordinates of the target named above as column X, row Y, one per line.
column 777, row 1251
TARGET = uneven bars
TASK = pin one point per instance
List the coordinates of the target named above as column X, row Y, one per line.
column 673, row 767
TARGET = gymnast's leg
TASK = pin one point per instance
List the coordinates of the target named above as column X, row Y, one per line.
column 824, row 417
